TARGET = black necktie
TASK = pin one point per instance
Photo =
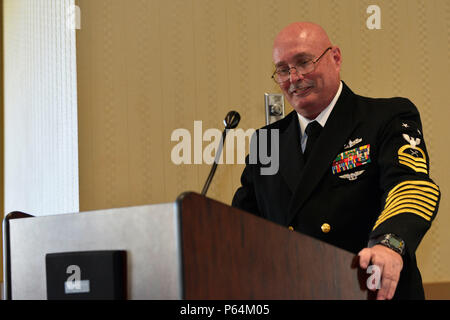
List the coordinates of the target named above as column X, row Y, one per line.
column 313, row 130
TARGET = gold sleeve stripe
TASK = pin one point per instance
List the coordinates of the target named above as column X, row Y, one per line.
column 380, row 221
column 422, row 191
column 410, row 157
column 396, row 212
column 409, row 200
column 413, row 204
column 406, row 206
column 415, row 182
column 413, row 162
column 401, row 197
column 407, row 191
column 413, row 196
column 413, row 167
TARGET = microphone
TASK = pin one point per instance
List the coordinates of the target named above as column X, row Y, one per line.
column 231, row 121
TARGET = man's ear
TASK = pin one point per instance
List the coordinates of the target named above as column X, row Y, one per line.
column 337, row 57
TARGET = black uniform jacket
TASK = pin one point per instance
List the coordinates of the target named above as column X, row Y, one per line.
column 367, row 175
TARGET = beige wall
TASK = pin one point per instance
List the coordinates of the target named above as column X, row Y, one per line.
column 147, row 67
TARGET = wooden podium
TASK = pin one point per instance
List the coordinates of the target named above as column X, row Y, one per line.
column 194, row 248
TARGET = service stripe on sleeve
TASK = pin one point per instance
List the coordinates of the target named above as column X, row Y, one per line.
column 415, row 182
column 414, row 205
column 412, row 195
column 416, row 197
column 380, row 221
column 407, row 201
column 427, row 192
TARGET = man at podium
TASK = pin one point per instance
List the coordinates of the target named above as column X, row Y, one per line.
column 354, row 171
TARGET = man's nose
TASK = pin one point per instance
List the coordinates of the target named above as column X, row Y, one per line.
column 294, row 75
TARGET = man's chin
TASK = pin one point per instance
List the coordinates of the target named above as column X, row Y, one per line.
column 305, row 108
column 300, row 102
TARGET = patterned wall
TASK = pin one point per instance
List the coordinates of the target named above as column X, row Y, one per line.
column 41, row 143
column 147, row 67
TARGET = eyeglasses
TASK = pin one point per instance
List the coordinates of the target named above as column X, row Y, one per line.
column 301, row 67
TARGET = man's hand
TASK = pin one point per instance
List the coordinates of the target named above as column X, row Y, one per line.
column 390, row 264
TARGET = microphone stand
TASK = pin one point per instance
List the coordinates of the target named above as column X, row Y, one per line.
column 216, row 161
column 231, row 121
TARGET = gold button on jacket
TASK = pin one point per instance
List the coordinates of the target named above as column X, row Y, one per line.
column 325, row 228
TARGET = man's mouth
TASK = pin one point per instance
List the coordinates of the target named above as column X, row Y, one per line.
column 300, row 91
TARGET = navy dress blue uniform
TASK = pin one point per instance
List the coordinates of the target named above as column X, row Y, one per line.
column 367, row 175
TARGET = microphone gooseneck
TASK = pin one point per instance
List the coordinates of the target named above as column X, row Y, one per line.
column 231, row 121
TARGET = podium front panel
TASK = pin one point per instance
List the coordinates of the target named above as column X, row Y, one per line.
column 149, row 235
